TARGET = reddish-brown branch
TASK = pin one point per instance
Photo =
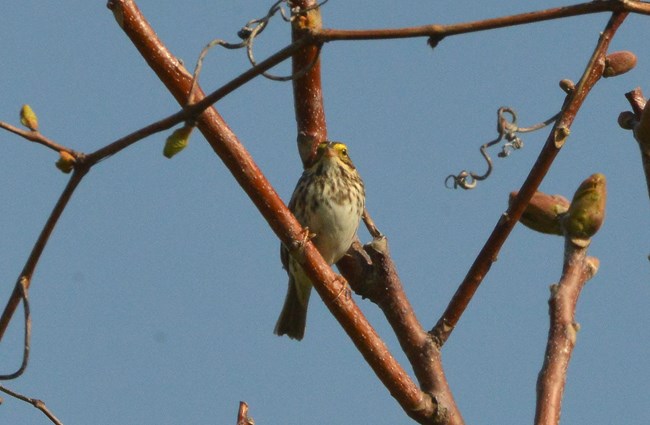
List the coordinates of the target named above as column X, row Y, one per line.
column 638, row 103
column 507, row 221
column 371, row 269
column 577, row 270
column 242, row 415
column 372, row 274
column 330, row 287
column 307, row 91
column 438, row 32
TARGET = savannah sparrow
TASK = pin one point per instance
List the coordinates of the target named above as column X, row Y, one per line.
column 328, row 200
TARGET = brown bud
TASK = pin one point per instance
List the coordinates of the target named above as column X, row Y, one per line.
column 618, row 63
column 587, row 211
column 627, row 120
column 66, row 162
column 567, row 85
column 544, row 212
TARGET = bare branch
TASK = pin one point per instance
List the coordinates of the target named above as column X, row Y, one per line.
column 577, row 270
column 34, row 402
column 307, row 91
column 242, row 415
column 507, row 221
column 329, row 286
column 438, row 32
column 25, row 278
column 35, row 136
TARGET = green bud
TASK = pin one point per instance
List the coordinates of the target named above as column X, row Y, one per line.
column 65, row 162
column 587, row 211
column 177, row 141
column 544, row 212
column 28, row 118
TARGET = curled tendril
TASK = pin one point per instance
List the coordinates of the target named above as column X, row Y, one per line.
column 248, row 33
column 508, row 129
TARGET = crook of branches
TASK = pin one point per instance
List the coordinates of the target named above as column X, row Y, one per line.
column 248, row 34
column 508, row 130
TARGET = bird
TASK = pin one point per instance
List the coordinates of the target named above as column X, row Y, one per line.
column 329, row 200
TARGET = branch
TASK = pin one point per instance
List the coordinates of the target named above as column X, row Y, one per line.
column 307, row 91
column 372, row 274
column 242, row 415
column 35, row 136
column 370, row 269
column 34, row 402
column 28, row 270
column 577, row 270
column 329, row 286
column 640, row 123
column 507, row 221
column 438, row 32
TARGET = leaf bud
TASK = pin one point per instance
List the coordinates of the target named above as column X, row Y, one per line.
column 28, row 118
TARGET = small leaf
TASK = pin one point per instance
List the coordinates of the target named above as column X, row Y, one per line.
column 65, row 162
column 177, row 141
column 28, row 118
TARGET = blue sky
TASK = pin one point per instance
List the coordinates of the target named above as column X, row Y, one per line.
column 157, row 295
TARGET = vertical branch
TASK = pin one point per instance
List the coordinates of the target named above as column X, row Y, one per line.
column 378, row 279
column 307, row 92
column 578, row 268
column 641, row 127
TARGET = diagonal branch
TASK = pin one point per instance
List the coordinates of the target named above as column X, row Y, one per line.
column 35, row 136
column 39, row 404
column 329, row 286
column 577, row 270
column 28, row 270
column 507, row 221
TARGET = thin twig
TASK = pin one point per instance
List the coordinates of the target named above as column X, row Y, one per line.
column 194, row 110
column 28, row 270
column 35, row 136
column 488, row 254
column 191, row 112
column 34, row 402
column 438, row 32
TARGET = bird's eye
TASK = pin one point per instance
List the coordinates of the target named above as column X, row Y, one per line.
column 344, row 152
